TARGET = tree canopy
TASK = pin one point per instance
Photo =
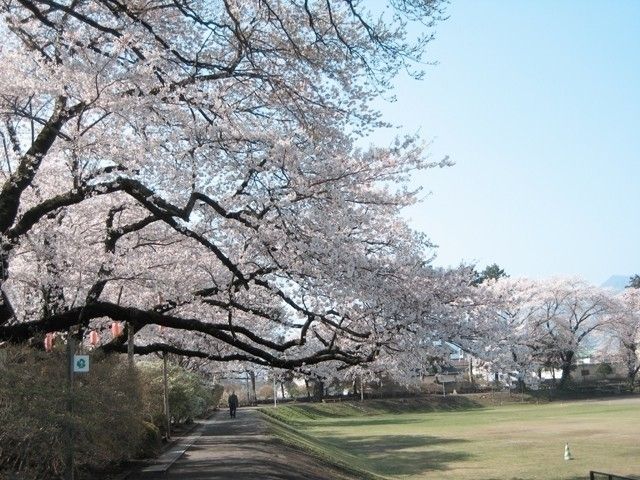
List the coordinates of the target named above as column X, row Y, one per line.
column 195, row 165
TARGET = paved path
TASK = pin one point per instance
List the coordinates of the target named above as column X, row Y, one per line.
column 242, row 448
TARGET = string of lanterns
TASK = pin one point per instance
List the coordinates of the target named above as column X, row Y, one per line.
column 117, row 329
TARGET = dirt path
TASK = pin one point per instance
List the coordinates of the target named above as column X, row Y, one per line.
column 243, row 449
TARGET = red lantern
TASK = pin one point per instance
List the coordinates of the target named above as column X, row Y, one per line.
column 116, row 329
column 48, row 342
column 94, row 338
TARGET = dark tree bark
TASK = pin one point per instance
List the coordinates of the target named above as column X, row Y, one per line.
column 318, row 390
column 308, row 387
column 566, row 367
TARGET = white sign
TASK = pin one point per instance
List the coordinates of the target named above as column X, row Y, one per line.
column 81, row 363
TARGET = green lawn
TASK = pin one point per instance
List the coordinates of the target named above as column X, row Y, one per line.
column 515, row 441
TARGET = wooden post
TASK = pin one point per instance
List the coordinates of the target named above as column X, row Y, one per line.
column 130, row 344
column 69, row 463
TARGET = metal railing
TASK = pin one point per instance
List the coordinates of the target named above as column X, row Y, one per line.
column 606, row 476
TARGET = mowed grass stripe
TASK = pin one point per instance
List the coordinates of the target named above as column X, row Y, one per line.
column 509, row 442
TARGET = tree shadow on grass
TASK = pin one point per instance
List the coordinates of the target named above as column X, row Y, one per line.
column 368, row 421
column 386, row 407
column 400, row 454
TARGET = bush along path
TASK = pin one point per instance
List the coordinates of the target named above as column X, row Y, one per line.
column 243, row 448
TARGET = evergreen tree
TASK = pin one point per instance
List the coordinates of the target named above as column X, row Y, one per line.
column 493, row 272
column 634, row 281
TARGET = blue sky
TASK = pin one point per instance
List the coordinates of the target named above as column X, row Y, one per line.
column 538, row 103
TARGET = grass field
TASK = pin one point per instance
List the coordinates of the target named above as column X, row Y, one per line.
column 464, row 440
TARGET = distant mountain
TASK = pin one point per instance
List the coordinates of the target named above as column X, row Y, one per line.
column 617, row 282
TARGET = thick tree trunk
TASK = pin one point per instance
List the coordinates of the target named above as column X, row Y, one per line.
column 567, row 361
column 318, row 390
column 631, row 377
column 6, row 310
column 631, row 362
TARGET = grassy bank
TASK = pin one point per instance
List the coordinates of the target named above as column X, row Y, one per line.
column 468, row 437
column 292, row 413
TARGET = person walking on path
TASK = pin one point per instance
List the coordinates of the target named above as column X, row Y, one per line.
column 233, row 404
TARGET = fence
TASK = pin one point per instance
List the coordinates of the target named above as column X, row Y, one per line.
column 606, row 476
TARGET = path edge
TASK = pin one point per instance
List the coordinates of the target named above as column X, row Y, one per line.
column 274, row 423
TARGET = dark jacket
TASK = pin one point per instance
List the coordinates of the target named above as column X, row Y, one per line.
column 233, row 400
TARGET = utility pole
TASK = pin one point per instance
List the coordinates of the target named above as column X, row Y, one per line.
column 165, row 394
column 252, row 376
column 165, row 381
column 247, row 383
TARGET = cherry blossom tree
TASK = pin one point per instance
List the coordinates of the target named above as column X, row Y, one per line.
column 570, row 311
column 194, row 165
column 624, row 329
column 531, row 324
column 511, row 337
column 445, row 310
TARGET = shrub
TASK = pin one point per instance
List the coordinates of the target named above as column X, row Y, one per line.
column 216, row 395
column 117, row 411
column 189, row 396
column 106, row 424
column 265, row 392
column 152, row 441
column 604, row 369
